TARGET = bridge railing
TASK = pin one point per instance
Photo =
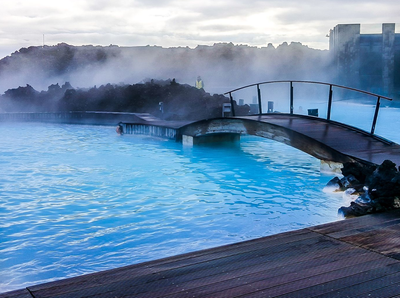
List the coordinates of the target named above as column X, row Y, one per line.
column 292, row 99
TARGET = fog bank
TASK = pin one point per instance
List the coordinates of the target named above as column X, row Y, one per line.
column 222, row 66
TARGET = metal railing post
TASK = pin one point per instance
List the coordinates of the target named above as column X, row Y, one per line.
column 259, row 99
column 291, row 97
column 328, row 117
column 378, row 103
column 232, row 106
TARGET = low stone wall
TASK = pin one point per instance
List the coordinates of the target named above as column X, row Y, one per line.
column 150, row 130
column 96, row 118
column 211, row 138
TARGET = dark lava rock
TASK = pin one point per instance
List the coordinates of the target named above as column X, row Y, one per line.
column 356, row 209
column 334, row 184
column 378, row 187
column 358, row 170
column 351, row 182
column 383, row 181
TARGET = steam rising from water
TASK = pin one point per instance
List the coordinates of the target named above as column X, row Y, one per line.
column 222, row 66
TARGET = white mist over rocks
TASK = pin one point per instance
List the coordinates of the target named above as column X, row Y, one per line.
column 222, row 66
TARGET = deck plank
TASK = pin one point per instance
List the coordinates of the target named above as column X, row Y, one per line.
column 346, row 258
column 273, row 277
column 23, row 293
column 316, row 136
column 308, row 287
column 194, row 277
column 386, row 292
column 221, row 275
column 149, row 270
column 362, row 146
column 380, row 285
column 178, row 268
column 392, row 224
column 355, row 223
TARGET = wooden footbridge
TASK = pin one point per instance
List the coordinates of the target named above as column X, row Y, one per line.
column 322, row 138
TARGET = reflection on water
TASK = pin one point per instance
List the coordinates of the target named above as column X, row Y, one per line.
column 79, row 199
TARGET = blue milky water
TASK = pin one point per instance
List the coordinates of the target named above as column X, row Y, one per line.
column 78, row 199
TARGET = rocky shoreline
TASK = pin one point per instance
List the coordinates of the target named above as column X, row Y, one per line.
column 376, row 188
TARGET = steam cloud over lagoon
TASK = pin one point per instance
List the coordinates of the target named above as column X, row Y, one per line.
column 172, row 24
column 222, row 66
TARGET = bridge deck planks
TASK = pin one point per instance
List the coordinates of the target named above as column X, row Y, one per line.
column 358, row 256
column 340, row 138
column 343, row 139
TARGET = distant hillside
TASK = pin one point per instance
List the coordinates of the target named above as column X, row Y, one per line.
column 222, row 66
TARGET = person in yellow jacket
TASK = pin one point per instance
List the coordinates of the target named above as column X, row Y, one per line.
column 199, row 83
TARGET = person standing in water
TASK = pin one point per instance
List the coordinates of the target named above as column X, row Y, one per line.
column 120, row 129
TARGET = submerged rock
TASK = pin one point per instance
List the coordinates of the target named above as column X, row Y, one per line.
column 351, row 182
column 351, row 193
column 334, row 185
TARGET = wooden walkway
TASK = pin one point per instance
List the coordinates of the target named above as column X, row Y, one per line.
column 357, row 257
column 343, row 139
column 325, row 140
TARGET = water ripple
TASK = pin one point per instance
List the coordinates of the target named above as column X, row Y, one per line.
column 79, row 199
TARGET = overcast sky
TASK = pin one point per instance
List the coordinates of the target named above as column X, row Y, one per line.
column 183, row 23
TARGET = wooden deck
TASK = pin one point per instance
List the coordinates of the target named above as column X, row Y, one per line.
column 353, row 143
column 325, row 140
column 357, row 257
